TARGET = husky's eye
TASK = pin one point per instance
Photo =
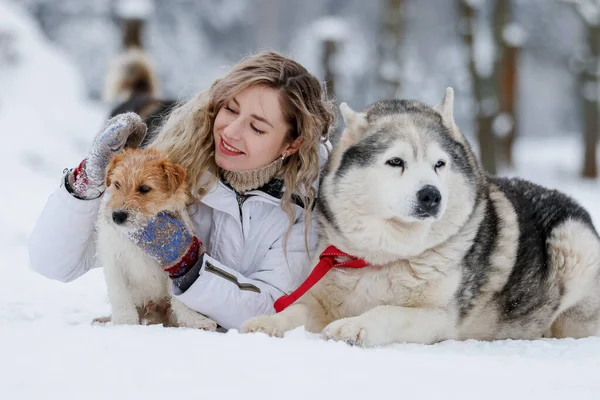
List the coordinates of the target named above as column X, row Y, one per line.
column 440, row 164
column 395, row 162
column 144, row 189
column 117, row 185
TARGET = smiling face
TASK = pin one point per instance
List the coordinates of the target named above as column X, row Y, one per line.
column 250, row 130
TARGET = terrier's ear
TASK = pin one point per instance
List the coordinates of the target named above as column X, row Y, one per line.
column 356, row 124
column 175, row 175
column 111, row 166
column 446, row 110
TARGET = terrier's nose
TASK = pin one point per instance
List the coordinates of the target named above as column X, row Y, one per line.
column 119, row 217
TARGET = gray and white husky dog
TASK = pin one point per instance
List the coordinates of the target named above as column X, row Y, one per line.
column 453, row 253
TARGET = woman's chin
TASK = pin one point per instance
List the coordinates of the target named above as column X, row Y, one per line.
column 225, row 163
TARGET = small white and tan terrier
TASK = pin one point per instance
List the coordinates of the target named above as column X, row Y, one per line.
column 139, row 185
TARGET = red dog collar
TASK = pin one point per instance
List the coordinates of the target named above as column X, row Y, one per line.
column 326, row 262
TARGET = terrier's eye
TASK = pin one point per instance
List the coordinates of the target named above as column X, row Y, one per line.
column 144, row 189
column 117, row 185
column 395, row 162
column 440, row 164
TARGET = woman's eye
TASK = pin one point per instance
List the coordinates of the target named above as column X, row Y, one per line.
column 256, row 129
column 231, row 110
column 395, row 162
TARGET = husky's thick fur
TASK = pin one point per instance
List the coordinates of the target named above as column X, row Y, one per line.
column 454, row 254
column 138, row 289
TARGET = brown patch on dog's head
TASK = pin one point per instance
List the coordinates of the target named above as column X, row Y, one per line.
column 141, row 183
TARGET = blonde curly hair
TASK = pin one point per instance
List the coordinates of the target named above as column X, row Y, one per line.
column 187, row 135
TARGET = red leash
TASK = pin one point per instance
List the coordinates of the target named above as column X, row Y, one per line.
column 326, row 262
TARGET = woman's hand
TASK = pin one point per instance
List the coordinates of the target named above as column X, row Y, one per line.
column 123, row 130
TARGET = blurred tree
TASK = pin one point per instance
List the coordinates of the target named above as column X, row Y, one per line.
column 511, row 37
column 329, row 50
column 8, row 50
column 389, row 49
column 589, row 82
column 483, row 67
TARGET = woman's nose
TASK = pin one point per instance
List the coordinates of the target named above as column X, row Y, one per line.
column 234, row 129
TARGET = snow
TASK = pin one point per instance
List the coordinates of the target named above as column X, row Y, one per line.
column 484, row 48
column 331, row 28
column 514, row 35
column 588, row 9
column 351, row 58
column 49, row 349
column 502, row 124
column 474, row 3
column 130, row 9
column 591, row 91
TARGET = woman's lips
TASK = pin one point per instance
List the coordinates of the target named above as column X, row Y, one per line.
column 228, row 149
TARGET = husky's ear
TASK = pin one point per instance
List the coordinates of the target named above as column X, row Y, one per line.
column 446, row 110
column 356, row 123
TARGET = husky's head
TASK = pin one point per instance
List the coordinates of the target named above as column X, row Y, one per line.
column 401, row 180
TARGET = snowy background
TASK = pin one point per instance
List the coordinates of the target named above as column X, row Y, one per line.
column 53, row 56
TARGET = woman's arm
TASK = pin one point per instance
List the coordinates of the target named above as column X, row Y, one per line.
column 61, row 245
column 229, row 298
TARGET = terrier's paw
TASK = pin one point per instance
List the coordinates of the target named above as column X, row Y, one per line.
column 183, row 316
column 101, row 320
column 132, row 318
column 271, row 325
column 349, row 330
column 200, row 322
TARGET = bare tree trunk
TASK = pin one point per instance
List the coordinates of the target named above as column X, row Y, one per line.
column 485, row 93
column 389, row 49
column 589, row 86
column 132, row 32
column 508, row 100
column 329, row 50
column 507, row 82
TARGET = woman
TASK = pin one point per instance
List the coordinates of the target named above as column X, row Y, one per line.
column 252, row 146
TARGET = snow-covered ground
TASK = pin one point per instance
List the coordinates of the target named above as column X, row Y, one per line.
column 49, row 349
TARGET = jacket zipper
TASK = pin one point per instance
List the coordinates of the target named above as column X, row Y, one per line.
column 231, row 278
column 240, row 200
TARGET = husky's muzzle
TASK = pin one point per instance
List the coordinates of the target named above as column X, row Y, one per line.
column 428, row 203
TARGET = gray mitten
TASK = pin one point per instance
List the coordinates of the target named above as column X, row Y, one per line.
column 123, row 130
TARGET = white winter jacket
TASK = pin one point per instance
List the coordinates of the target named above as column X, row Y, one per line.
column 244, row 270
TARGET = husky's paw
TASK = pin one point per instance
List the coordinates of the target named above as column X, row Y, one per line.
column 271, row 325
column 350, row 330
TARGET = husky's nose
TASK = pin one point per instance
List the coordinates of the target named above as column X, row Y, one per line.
column 429, row 199
column 119, row 217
